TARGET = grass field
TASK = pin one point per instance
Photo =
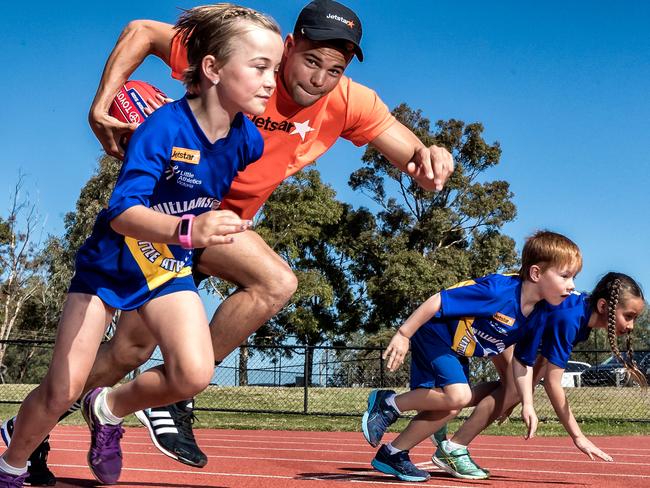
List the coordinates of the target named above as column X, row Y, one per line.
column 588, row 403
column 604, row 411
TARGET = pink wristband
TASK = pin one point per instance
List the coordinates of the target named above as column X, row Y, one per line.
column 185, row 231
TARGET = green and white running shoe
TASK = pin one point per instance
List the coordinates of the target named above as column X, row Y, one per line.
column 458, row 463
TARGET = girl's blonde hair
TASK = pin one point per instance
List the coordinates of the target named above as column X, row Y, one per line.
column 212, row 30
column 545, row 249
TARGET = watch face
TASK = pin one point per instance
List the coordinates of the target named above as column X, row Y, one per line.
column 185, row 227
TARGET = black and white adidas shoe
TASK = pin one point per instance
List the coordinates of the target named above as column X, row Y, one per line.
column 38, row 472
column 170, row 429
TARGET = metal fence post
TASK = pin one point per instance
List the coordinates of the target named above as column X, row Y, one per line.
column 381, row 366
column 305, row 406
column 236, row 370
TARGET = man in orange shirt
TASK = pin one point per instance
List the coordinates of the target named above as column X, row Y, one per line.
column 314, row 104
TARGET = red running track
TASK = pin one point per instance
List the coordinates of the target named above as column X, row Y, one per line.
column 288, row 459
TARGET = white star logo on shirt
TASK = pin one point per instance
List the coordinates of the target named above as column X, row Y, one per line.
column 301, row 128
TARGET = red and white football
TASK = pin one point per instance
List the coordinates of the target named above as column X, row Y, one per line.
column 130, row 102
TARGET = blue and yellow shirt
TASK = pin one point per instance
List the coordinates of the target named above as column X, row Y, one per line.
column 170, row 167
column 483, row 317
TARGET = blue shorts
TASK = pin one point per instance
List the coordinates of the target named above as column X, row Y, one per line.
column 119, row 298
column 434, row 364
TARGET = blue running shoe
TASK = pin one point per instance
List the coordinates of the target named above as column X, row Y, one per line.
column 379, row 416
column 399, row 465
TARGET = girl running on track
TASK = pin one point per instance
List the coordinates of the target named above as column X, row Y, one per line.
column 614, row 304
column 481, row 317
column 178, row 166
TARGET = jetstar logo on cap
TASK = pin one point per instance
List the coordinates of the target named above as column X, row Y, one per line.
column 504, row 319
column 349, row 23
column 183, row 155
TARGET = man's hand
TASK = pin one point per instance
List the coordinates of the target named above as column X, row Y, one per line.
column 139, row 39
column 396, row 351
column 110, row 131
column 588, row 447
column 431, row 167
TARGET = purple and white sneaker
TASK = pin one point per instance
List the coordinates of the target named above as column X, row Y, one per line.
column 12, row 480
column 105, row 454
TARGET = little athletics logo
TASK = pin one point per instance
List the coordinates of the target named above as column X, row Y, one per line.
column 183, row 177
column 187, row 179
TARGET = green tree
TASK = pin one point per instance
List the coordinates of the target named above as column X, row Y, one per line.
column 93, row 197
column 300, row 222
column 60, row 251
column 419, row 242
column 21, row 269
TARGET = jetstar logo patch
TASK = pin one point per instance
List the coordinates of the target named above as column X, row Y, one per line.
column 504, row 319
column 183, row 155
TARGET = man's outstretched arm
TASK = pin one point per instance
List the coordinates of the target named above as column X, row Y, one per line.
column 139, row 39
column 430, row 166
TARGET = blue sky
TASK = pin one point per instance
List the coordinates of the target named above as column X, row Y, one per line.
column 563, row 86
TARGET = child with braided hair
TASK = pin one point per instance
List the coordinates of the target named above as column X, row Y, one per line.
column 620, row 319
column 614, row 304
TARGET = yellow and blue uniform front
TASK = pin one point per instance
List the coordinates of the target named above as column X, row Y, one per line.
column 479, row 317
column 170, row 167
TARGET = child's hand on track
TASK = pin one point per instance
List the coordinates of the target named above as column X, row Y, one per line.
column 216, row 226
column 396, row 351
column 588, row 447
column 529, row 417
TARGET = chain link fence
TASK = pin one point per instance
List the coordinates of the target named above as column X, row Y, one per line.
column 337, row 381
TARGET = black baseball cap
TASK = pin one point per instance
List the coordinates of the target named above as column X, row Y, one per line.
column 326, row 20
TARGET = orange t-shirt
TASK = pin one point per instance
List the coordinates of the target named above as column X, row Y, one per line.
column 298, row 136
